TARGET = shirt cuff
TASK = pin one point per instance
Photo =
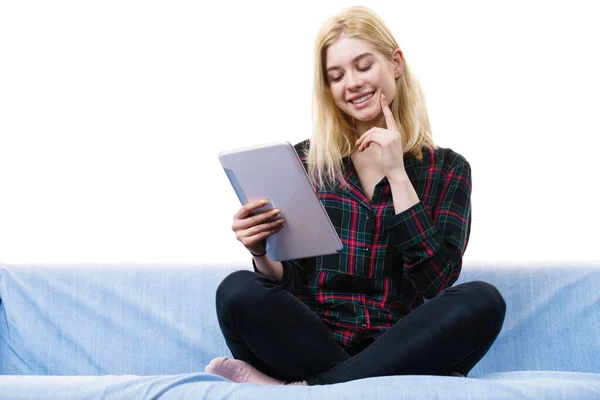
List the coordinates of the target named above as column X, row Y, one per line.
column 410, row 227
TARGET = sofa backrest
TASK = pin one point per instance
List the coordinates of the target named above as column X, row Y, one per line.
column 160, row 319
column 552, row 318
column 114, row 319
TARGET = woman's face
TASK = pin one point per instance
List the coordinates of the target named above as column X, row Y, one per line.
column 358, row 74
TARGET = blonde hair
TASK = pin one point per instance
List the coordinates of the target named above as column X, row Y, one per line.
column 334, row 134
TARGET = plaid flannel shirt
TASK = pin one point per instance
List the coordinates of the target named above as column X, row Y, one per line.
column 390, row 262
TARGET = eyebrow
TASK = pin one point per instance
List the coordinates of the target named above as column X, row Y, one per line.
column 353, row 60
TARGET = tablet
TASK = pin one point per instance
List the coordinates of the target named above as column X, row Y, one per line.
column 274, row 171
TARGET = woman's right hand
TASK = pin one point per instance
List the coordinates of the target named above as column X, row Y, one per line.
column 252, row 230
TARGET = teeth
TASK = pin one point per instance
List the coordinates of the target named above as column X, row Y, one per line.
column 364, row 98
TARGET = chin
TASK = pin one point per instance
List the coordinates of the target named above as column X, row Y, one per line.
column 367, row 118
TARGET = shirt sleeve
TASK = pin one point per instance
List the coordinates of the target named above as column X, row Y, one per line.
column 293, row 275
column 432, row 246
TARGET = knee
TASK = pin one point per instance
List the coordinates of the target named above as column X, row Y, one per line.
column 487, row 302
column 238, row 289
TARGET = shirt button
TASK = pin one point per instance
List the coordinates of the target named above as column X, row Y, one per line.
column 366, row 249
column 363, row 325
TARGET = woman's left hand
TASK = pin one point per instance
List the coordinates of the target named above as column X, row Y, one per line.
column 390, row 142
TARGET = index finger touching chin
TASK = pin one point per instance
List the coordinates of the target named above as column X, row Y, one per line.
column 387, row 113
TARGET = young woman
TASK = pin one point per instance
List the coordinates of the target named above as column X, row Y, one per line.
column 402, row 208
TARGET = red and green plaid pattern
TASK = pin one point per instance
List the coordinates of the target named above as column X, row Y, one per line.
column 389, row 262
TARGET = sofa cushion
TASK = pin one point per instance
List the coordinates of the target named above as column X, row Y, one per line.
column 507, row 386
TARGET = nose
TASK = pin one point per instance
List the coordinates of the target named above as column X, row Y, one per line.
column 354, row 80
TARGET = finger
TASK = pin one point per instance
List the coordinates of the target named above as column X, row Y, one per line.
column 247, row 208
column 365, row 145
column 267, row 226
column 266, row 234
column 387, row 113
column 375, row 137
column 360, row 142
column 364, row 135
column 244, row 235
column 249, row 221
column 258, row 237
column 366, row 142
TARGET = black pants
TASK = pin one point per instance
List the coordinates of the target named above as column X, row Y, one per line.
column 268, row 327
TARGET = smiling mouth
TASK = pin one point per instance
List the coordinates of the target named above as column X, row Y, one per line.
column 362, row 99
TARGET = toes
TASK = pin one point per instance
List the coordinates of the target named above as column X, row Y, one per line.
column 215, row 364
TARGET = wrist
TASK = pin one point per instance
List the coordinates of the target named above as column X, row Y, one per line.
column 261, row 251
column 257, row 255
column 399, row 176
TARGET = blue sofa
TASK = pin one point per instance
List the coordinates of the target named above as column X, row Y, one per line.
column 147, row 331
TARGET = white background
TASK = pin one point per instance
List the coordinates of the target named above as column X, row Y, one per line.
column 112, row 114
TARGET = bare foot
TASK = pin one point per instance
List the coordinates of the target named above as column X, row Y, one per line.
column 241, row 372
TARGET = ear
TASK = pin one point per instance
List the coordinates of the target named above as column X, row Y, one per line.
column 398, row 61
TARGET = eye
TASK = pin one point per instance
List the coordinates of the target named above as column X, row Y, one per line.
column 338, row 78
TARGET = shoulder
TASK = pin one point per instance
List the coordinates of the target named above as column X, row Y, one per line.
column 302, row 146
column 444, row 158
column 302, row 149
